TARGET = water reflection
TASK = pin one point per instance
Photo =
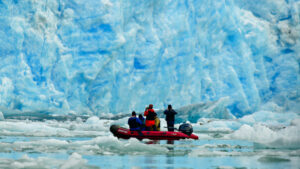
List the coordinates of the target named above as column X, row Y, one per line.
column 153, row 142
column 150, row 161
column 170, row 158
column 171, row 148
column 170, row 162
column 170, row 142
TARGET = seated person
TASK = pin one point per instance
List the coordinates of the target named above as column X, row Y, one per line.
column 157, row 123
column 150, row 118
column 134, row 122
column 142, row 119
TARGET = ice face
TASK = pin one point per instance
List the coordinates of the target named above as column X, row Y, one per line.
column 114, row 56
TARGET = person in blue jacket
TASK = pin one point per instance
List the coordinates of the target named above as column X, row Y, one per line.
column 134, row 122
column 142, row 119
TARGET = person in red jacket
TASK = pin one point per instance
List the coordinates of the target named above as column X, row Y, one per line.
column 150, row 118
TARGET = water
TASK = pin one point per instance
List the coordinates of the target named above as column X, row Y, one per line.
column 216, row 153
column 78, row 144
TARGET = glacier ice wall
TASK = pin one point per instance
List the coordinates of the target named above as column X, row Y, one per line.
column 95, row 57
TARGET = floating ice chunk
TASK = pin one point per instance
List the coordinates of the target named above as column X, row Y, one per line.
column 112, row 145
column 27, row 162
column 104, row 144
column 53, row 128
column 122, row 122
column 263, row 136
column 1, row 116
column 295, row 122
column 94, row 123
column 218, row 125
column 206, row 152
column 257, row 133
column 269, row 118
column 92, row 120
column 74, row 161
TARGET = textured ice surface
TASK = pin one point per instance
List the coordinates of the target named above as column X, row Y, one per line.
column 92, row 127
column 288, row 137
column 110, row 56
column 74, row 161
column 272, row 130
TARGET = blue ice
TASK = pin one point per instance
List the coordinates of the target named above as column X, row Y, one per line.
column 109, row 56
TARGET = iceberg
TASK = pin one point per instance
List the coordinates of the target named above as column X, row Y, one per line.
column 109, row 56
column 264, row 137
column 267, row 130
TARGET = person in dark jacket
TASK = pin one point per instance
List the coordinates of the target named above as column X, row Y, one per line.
column 150, row 118
column 134, row 122
column 142, row 119
column 170, row 117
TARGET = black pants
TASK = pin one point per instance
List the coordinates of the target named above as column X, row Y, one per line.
column 170, row 125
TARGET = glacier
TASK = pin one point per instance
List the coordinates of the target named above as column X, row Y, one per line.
column 110, row 56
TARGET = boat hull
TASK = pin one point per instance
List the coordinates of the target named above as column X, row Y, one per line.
column 124, row 133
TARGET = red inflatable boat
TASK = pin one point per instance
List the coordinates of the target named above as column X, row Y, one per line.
column 153, row 135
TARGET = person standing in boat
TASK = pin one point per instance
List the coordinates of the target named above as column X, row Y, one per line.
column 134, row 123
column 150, row 118
column 170, row 117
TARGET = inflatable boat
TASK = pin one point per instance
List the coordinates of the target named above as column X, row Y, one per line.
column 185, row 132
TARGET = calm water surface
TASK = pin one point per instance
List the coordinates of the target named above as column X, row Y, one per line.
column 210, row 153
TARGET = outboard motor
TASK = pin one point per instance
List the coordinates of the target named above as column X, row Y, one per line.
column 114, row 129
column 186, row 128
